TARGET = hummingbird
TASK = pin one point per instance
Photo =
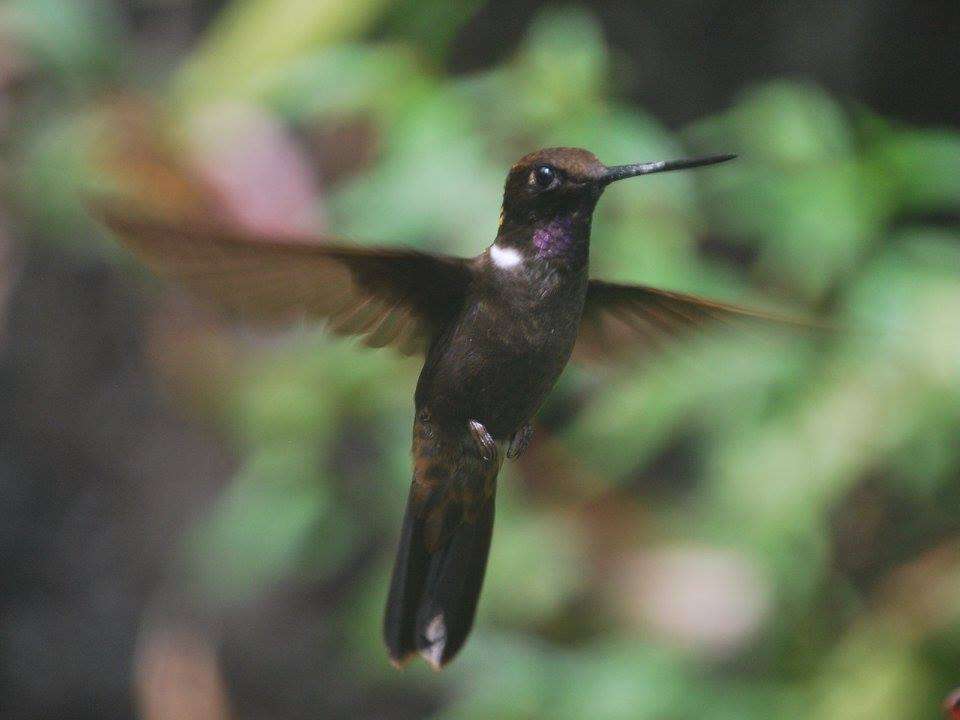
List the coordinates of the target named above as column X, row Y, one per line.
column 495, row 330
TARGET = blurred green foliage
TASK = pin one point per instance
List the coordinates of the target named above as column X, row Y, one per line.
column 810, row 485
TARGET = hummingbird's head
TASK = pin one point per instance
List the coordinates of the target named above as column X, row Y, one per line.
column 552, row 183
column 562, row 185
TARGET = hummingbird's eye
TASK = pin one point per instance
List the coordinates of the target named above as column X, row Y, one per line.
column 544, row 176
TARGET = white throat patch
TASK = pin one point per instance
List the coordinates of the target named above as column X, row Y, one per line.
column 505, row 257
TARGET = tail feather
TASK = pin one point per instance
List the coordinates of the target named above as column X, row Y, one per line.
column 436, row 582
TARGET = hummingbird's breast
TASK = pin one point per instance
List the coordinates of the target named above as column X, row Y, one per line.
column 503, row 354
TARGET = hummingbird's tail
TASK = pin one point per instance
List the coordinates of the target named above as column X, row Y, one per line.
column 441, row 560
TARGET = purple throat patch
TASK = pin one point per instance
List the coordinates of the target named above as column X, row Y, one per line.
column 555, row 238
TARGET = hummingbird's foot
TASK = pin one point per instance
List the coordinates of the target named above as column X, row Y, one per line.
column 485, row 442
column 520, row 441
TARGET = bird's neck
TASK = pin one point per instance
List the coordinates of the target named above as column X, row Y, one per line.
column 560, row 240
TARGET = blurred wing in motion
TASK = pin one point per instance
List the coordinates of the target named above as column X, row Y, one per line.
column 392, row 297
column 618, row 319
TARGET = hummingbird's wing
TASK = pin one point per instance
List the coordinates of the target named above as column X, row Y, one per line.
column 619, row 318
column 395, row 297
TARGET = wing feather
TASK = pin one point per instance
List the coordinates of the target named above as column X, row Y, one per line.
column 618, row 319
column 397, row 297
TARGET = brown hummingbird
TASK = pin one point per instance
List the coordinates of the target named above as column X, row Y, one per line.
column 496, row 330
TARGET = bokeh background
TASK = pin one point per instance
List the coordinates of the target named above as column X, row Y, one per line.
column 197, row 520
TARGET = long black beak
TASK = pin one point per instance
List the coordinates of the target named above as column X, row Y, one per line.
column 621, row 172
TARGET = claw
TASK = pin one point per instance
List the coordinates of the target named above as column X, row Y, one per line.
column 485, row 442
column 520, row 441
